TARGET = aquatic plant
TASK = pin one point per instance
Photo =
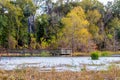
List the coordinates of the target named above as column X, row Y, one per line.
column 95, row 55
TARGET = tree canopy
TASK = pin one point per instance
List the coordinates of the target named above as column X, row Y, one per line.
column 81, row 25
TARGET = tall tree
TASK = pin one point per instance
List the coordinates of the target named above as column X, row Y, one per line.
column 113, row 31
column 75, row 29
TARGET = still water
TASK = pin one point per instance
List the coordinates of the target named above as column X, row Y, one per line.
column 59, row 63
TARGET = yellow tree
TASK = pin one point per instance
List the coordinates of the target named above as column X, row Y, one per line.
column 93, row 17
column 75, row 33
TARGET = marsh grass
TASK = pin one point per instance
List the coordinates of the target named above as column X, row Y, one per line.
column 35, row 74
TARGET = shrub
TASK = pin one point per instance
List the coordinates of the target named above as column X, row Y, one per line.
column 95, row 55
column 44, row 54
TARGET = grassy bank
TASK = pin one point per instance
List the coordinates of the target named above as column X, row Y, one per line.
column 42, row 54
column 34, row 74
column 47, row 54
column 100, row 53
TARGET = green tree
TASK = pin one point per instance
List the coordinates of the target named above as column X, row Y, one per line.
column 91, row 5
column 3, row 29
column 116, row 8
column 46, row 32
column 27, row 7
column 113, row 34
column 14, row 14
column 93, row 17
column 42, row 27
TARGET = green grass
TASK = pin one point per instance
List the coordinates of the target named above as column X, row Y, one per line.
column 105, row 54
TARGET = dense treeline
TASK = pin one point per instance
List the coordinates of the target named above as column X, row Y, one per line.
column 81, row 26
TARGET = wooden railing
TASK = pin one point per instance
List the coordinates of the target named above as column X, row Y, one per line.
column 37, row 51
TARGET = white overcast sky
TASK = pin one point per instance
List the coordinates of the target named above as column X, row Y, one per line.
column 105, row 1
column 102, row 1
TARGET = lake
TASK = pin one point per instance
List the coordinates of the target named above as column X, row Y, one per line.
column 59, row 63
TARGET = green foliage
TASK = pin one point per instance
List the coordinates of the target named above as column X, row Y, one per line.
column 91, row 5
column 72, row 24
column 46, row 33
column 3, row 30
column 27, row 7
column 95, row 55
column 113, row 30
column 105, row 54
column 42, row 27
column 33, row 42
column 116, row 8
column 110, row 36
column 14, row 22
column 44, row 44
column 12, row 42
column 44, row 54
column 114, row 24
column 93, row 17
column 75, row 27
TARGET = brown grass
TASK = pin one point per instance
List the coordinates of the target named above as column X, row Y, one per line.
column 35, row 74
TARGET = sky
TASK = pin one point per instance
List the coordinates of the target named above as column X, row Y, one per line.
column 102, row 1
column 105, row 1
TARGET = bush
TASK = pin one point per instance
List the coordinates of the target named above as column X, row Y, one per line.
column 44, row 54
column 95, row 55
